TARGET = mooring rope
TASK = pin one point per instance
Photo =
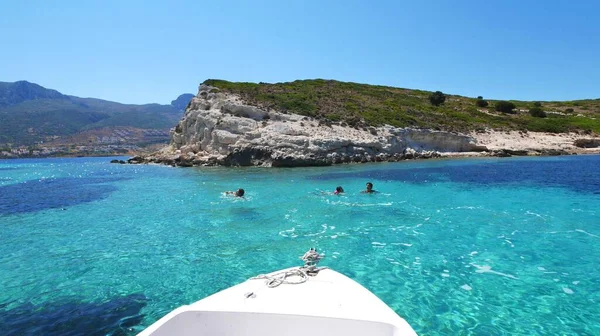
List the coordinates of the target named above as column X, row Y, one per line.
column 311, row 258
column 276, row 279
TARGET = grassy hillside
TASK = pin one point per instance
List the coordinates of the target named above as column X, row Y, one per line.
column 364, row 105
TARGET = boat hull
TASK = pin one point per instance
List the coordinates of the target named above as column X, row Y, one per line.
column 329, row 303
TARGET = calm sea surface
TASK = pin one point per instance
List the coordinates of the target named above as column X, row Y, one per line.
column 461, row 247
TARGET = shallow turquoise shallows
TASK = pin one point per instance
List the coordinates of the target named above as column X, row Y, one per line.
column 456, row 247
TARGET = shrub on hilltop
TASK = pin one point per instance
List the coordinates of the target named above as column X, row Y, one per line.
column 505, row 106
column 481, row 102
column 437, row 98
column 537, row 112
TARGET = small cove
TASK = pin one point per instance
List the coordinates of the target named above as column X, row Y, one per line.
column 470, row 246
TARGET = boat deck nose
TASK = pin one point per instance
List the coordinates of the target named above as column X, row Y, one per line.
column 326, row 304
column 196, row 323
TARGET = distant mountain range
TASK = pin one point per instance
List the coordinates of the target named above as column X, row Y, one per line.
column 30, row 113
column 182, row 101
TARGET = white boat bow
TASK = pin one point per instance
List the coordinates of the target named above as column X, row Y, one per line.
column 286, row 302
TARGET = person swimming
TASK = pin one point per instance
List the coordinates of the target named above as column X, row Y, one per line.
column 238, row 193
column 369, row 189
column 338, row 190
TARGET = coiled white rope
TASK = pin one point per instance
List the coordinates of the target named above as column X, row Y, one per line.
column 275, row 279
column 311, row 259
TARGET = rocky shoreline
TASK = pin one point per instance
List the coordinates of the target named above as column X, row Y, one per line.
column 219, row 129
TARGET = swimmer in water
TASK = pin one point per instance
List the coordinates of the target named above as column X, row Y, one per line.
column 237, row 193
column 369, row 189
column 338, row 190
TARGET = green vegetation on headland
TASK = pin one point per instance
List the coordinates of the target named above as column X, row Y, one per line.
column 362, row 105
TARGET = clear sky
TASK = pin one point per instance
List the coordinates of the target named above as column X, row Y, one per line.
column 135, row 51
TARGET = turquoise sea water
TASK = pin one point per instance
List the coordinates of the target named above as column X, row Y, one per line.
column 456, row 247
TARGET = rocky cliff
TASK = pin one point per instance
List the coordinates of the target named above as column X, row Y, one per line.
column 220, row 129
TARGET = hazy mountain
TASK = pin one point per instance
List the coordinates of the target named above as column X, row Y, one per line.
column 30, row 113
column 17, row 92
column 182, row 101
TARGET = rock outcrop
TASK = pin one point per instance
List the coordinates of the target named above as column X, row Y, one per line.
column 587, row 143
column 219, row 129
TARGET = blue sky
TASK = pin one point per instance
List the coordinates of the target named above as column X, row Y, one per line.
column 134, row 51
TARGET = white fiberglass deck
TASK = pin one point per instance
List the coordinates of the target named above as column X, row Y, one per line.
column 327, row 304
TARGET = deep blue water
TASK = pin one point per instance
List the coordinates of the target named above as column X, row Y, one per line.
column 472, row 247
column 518, row 172
column 52, row 193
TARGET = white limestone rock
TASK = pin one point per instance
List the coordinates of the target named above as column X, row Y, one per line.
column 219, row 129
